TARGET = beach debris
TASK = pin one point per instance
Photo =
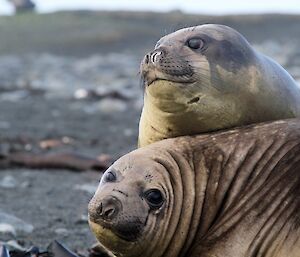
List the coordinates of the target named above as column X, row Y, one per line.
column 70, row 161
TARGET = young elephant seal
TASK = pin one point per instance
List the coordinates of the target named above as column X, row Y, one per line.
column 208, row 78
column 234, row 193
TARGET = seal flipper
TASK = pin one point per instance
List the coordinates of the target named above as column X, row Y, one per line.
column 58, row 250
column 4, row 251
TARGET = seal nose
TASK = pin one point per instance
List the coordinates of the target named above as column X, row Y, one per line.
column 153, row 57
column 108, row 208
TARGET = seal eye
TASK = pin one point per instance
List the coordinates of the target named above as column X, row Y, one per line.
column 195, row 43
column 110, row 176
column 154, row 198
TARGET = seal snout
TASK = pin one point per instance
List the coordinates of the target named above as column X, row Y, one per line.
column 109, row 208
column 104, row 210
column 164, row 63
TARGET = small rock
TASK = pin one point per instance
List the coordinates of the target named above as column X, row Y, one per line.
column 58, row 219
column 8, row 182
column 81, row 93
column 62, row 232
column 7, row 231
column 90, row 188
column 20, row 227
column 49, row 143
column 67, row 140
column 25, row 184
column 28, row 147
column 112, row 105
column 112, row 93
column 82, row 220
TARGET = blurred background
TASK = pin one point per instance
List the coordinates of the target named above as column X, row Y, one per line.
column 69, row 83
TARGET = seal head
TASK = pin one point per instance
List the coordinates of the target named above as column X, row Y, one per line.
column 124, row 207
column 183, row 55
column 135, row 202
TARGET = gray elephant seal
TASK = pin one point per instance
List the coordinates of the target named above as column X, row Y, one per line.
column 234, row 193
column 208, row 78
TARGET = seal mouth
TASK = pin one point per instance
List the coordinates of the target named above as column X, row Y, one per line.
column 129, row 232
column 148, row 83
column 151, row 75
column 101, row 222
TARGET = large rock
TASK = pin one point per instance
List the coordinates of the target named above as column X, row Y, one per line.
column 23, row 5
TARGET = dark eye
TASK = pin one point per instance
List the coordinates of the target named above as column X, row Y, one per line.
column 195, row 43
column 110, row 176
column 154, row 198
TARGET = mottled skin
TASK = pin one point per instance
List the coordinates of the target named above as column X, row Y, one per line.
column 221, row 84
column 234, row 193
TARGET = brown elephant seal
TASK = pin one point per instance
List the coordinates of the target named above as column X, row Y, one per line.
column 234, row 193
column 207, row 78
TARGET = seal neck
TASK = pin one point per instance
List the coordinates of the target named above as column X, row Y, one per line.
column 163, row 118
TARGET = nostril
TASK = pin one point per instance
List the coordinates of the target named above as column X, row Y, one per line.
column 99, row 209
column 147, row 59
column 155, row 56
column 109, row 213
column 107, row 209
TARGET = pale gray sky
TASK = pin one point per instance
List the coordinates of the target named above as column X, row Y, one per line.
column 195, row 6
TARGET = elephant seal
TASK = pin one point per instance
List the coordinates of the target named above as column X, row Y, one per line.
column 233, row 193
column 208, row 78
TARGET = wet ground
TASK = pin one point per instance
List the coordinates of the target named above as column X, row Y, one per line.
column 93, row 114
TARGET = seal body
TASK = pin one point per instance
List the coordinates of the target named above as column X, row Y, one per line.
column 208, row 78
column 234, row 193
